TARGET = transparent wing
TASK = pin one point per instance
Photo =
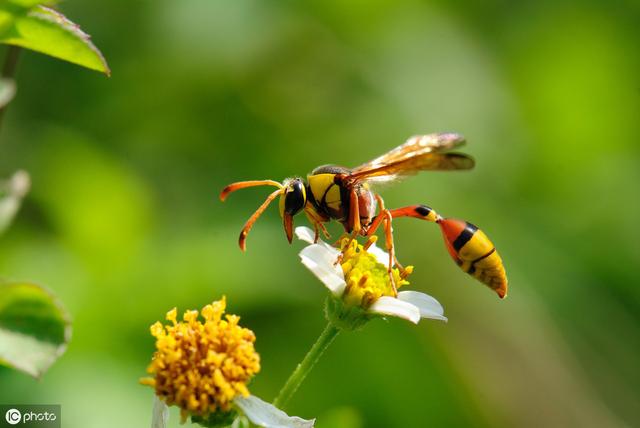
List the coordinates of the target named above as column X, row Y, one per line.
column 418, row 153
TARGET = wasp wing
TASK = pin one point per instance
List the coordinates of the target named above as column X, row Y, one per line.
column 418, row 153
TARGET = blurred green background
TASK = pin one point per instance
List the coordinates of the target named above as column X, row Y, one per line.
column 123, row 221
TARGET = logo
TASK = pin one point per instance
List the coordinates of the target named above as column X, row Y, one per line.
column 30, row 415
column 13, row 416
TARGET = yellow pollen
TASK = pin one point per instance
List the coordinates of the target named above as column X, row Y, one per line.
column 202, row 366
column 367, row 279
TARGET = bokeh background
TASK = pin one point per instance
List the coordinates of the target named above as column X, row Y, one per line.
column 124, row 223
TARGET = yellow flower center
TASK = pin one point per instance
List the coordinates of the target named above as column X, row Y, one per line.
column 202, row 366
column 367, row 279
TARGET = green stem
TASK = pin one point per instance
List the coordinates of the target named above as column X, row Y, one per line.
column 9, row 70
column 328, row 334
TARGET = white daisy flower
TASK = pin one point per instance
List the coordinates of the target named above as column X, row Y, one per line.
column 361, row 279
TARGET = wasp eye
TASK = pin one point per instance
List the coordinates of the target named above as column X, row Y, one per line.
column 295, row 198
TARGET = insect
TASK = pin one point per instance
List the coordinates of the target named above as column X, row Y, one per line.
column 336, row 193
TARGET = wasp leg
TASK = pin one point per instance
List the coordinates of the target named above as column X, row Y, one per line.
column 353, row 222
column 344, row 235
column 354, row 214
column 353, row 219
column 324, row 230
column 380, row 219
column 421, row 212
column 317, row 222
column 317, row 226
column 249, row 224
column 385, row 217
column 388, row 239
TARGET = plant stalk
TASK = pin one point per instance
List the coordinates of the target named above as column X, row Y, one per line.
column 302, row 370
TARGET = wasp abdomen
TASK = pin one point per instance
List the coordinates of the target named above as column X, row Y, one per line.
column 474, row 252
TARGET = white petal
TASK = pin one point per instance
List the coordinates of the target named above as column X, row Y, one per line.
column 266, row 415
column 305, row 234
column 321, row 260
column 381, row 255
column 388, row 305
column 428, row 306
column 160, row 415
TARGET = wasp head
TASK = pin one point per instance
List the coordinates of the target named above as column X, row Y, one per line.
column 292, row 202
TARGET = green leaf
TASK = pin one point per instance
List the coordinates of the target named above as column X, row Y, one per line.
column 49, row 32
column 28, row 4
column 7, row 18
column 10, row 9
column 34, row 328
column 12, row 192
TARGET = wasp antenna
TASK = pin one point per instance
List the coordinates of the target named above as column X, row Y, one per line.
column 249, row 224
column 243, row 184
column 242, row 240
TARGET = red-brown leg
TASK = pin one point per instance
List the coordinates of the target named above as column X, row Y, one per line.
column 385, row 217
column 249, row 224
column 388, row 240
column 317, row 226
column 317, row 221
column 421, row 212
column 353, row 220
column 354, row 213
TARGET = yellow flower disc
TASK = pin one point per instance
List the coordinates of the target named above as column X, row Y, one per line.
column 202, row 366
column 367, row 279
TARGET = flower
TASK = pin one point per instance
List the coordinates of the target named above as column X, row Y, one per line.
column 204, row 366
column 357, row 276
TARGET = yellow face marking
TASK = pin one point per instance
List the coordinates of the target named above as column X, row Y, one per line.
column 304, row 194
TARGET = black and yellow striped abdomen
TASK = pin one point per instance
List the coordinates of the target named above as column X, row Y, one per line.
column 474, row 252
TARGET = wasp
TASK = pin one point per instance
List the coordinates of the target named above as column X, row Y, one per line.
column 333, row 192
